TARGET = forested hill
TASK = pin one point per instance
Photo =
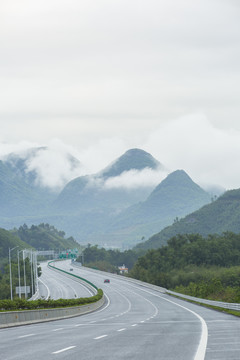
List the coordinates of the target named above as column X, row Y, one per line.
column 132, row 159
column 8, row 240
column 202, row 267
column 45, row 237
column 217, row 217
column 41, row 237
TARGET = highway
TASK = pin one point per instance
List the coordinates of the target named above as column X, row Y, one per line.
column 135, row 323
column 52, row 285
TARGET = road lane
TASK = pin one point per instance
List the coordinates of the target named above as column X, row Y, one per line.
column 137, row 323
column 55, row 285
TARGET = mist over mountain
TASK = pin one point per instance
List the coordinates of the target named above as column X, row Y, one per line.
column 132, row 159
column 47, row 167
column 176, row 196
column 29, row 184
column 115, row 187
column 133, row 198
column 18, row 193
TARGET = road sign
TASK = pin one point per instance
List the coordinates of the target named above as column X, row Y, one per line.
column 22, row 289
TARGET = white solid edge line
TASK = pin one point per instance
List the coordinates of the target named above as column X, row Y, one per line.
column 201, row 350
column 108, row 303
column 48, row 295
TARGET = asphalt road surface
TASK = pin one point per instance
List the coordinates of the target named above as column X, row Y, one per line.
column 54, row 285
column 135, row 323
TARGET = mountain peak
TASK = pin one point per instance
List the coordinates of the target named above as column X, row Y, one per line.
column 132, row 159
column 177, row 176
column 178, row 183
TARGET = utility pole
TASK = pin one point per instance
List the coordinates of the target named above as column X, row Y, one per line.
column 10, row 270
column 31, row 263
column 19, row 273
column 19, row 281
column 24, row 274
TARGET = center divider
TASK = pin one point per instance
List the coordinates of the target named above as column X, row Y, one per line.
column 34, row 311
column 73, row 275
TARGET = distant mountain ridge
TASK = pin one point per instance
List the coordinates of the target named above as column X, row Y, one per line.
column 89, row 191
column 132, row 159
column 41, row 237
column 26, row 165
column 18, row 195
column 101, row 208
column 174, row 197
column 221, row 215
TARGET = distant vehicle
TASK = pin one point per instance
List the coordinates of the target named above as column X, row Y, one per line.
column 71, row 269
column 107, row 281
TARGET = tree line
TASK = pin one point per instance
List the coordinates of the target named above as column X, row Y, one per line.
column 205, row 267
column 202, row 267
column 108, row 260
column 24, row 267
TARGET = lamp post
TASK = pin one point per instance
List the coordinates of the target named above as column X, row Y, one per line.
column 10, row 270
column 19, row 275
column 24, row 274
column 31, row 263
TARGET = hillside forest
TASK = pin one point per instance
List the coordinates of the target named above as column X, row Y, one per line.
column 205, row 267
column 40, row 237
column 190, row 264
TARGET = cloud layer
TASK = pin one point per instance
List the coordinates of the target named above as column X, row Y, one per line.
column 85, row 70
column 207, row 153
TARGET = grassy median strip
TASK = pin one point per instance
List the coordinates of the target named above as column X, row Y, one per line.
column 22, row 304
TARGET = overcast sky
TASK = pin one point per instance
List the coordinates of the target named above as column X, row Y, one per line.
column 103, row 76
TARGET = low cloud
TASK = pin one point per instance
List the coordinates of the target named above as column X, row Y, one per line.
column 135, row 179
column 55, row 165
column 208, row 153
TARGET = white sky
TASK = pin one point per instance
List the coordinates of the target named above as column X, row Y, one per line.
column 105, row 76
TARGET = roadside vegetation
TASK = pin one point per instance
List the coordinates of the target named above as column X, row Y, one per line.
column 191, row 264
column 41, row 237
column 22, row 304
column 5, row 292
column 109, row 260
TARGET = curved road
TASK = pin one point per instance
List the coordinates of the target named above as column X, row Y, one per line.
column 136, row 323
column 53, row 285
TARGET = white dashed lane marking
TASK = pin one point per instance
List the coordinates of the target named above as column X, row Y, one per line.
column 62, row 350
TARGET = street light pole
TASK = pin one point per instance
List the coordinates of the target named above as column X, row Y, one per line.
column 31, row 260
column 19, row 282
column 24, row 274
column 19, row 274
column 10, row 270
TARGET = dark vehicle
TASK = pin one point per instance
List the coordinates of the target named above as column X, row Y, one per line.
column 107, row 281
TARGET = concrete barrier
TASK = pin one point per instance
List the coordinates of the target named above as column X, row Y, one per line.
column 24, row 317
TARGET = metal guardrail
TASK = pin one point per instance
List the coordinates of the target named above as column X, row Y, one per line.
column 122, row 277
column 220, row 304
column 67, row 273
